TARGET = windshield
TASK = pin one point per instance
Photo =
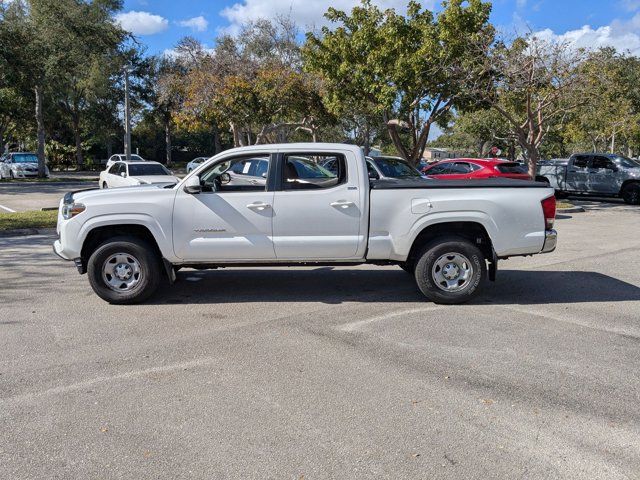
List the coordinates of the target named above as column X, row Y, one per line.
column 25, row 158
column 148, row 169
column 394, row 167
column 626, row 162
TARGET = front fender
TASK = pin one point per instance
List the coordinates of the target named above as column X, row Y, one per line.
column 162, row 235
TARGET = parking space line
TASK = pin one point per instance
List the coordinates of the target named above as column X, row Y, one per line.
column 351, row 326
column 7, row 209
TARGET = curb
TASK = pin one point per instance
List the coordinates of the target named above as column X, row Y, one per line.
column 24, row 232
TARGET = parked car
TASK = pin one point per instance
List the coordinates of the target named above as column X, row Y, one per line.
column 195, row 163
column 382, row 167
column 121, row 157
column 20, row 165
column 126, row 174
column 594, row 174
column 449, row 236
column 474, row 168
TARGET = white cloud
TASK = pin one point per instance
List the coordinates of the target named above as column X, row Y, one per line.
column 630, row 5
column 142, row 23
column 306, row 13
column 621, row 35
column 198, row 24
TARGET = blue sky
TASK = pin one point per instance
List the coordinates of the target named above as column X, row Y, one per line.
column 159, row 24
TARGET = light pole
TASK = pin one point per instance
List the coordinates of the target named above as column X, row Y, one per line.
column 127, row 116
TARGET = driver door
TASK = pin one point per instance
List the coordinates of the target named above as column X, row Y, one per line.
column 228, row 220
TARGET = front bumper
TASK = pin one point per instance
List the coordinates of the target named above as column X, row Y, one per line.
column 550, row 241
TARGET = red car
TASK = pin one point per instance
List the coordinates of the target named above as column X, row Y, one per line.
column 460, row 168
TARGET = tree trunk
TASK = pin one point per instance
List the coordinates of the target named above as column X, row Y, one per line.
column 75, row 120
column 613, row 142
column 237, row 136
column 217, row 144
column 41, row 133
column 2, row 140
column 167, row 139
column 532, row 153
column 367, row 143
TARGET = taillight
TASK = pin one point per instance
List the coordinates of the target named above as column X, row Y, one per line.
column 549, row 211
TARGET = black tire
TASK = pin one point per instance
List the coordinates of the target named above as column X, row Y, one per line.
column 11, row 175
column 104, row 185
column 407, row 267
column 462, row 251
column 631, row 193
column 148, row 266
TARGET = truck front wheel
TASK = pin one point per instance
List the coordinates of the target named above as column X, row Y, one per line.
column 124, row 270
column 450, row 270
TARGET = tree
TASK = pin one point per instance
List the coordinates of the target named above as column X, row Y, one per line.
column 609, row 117
column 163, row 94
column 475, row 132
column 532, row 83
column 50, row 45
column 254, row 83
column 410, row 70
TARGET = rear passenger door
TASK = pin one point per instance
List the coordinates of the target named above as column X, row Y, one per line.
column 317, row 213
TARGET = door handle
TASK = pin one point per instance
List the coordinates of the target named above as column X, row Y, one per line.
column 341, row 204
column 260, row 206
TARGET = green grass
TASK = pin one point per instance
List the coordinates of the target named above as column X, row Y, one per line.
column 29, row 219
column 563, row 205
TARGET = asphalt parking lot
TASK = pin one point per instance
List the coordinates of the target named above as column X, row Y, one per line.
column 19, row 196
column 328, row 372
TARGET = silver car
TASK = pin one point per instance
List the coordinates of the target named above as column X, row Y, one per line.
column 20, row 165
column 195, row 163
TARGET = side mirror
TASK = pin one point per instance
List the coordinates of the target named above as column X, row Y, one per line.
column 192, row 185
column 373, row 176
column 264, row 175
column 225, row 178
column 123, row 174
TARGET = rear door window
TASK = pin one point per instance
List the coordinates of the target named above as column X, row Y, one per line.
column 511, row 168
column 601, row 162
column 305, row 172
column 460, row 168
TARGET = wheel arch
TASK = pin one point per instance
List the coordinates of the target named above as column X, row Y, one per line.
column 473, row 231
column 100, row 233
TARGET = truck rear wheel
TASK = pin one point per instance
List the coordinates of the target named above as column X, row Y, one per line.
column 124, row 270
column 631, row 193
column 451, row 270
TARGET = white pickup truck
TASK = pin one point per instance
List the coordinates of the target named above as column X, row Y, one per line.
column 236, row 210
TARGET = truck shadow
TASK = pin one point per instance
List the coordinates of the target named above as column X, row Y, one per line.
column 384, row 285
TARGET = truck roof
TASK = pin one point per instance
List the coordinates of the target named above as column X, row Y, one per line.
column 315, row 147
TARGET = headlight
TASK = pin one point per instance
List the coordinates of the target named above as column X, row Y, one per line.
column 70, row 210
